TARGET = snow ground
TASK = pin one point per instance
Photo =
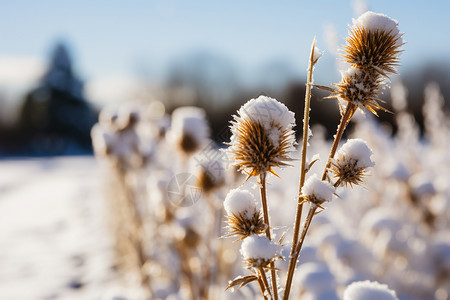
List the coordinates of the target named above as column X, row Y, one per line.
column 53, row 239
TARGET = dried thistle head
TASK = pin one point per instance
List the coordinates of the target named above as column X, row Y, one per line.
column 241, row 226
column 374, row 42
column 243, row 217
column 351, row 163
column 373, row 48
column 317, row 191
column 259, row 251
column 207, row 182
column 262, row 136
column 360, row 88
column 189, row 129
column 210, row 170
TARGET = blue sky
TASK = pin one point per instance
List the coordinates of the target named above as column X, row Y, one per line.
column 109, row 37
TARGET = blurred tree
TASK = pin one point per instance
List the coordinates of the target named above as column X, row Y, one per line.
column 55, row 116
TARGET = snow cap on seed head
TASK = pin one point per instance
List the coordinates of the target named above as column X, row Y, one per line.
column 378, row 22
column 351, row 163
column 317, row 191
column 239, row 201
column 259, row 251
column 357, row 150
column 243, row 218
column 267, row 110
column 189, row 129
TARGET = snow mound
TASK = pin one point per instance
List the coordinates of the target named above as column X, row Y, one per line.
column 255, row 247
column 369, row 290
column 239, row 201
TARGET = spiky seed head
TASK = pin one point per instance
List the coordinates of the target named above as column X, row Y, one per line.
column 360, row 88
column 243, row 217
column 351, row 163
column 317, row 191
column 259, row 251
column 242, row 226
column 374, row 42
column 210, row 171
column 346, row 172
column 189, row 130
column 262, row 136
column 373, row 48
column 208, row 182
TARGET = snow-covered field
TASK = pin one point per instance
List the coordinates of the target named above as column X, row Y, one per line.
column 53, row 241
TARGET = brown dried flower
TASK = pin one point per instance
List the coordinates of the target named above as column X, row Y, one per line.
column 262, row 136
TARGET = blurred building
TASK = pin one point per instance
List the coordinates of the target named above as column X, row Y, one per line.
column 56, row 118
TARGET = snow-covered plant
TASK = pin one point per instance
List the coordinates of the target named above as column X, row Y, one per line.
column 262, row 131
column 317, row 191
column 398, row 229
column 189, row 130
column 243, row 217
column 259, row 251
column 262, row 139
column 262, row 136
column 351, row 163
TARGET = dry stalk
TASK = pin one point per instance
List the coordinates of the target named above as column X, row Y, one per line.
column 298, row 216
column 262, row 178
column 133, row 235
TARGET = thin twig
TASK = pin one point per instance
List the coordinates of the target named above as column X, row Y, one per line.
column 349, row 111
column 261, row 287
column 267, row 222
column 298, row 216
column 264, row 279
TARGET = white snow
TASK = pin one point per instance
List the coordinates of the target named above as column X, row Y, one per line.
column 270, row 113
column 322, row 190
column 317, row 54
column 240, row 201
column 256, row 246
column 374, row 21
column 315, row 278
column 53, row 231
column 369, row 290
column 356, row 149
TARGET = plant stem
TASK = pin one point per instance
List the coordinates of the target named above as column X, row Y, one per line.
column 266, row 283
column 309, row 217
column 267, row 222
column 349, row 111
column 298, row 216
column 261, row 287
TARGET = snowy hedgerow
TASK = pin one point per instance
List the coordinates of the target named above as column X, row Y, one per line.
column 317, row 191
column 369, row 290
column 243, row 217
column 189, row 129
column 259, row 251
column 262, row 136
column 351, row 162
